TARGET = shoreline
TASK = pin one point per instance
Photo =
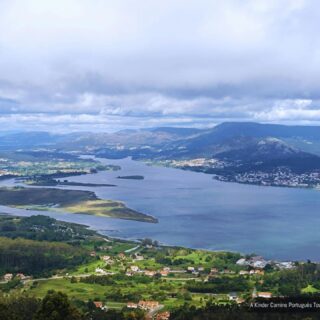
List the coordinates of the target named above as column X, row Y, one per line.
column 69, row 201
column 105, row 234
column 184, row 242
column 216, row 176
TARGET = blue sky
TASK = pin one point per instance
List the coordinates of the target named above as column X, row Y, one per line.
column 106, row 65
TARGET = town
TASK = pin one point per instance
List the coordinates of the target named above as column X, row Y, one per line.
column 227, row 171
column 139, row 276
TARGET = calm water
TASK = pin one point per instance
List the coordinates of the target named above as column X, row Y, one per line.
column 196, row 211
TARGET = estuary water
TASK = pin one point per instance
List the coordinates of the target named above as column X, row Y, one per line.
column 198, row 212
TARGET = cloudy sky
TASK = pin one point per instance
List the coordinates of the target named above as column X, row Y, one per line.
column 107, row 65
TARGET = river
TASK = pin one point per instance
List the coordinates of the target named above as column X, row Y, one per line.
column 198, row 212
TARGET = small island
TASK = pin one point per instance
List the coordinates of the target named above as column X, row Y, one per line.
column 133, row 177
column 72, row 201
column 47, row 181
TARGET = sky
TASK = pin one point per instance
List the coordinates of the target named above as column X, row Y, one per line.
column 104, row 65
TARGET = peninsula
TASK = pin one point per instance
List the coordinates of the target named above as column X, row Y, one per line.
column 72, row 201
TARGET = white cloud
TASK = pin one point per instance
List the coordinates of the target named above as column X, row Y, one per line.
column 145, row 59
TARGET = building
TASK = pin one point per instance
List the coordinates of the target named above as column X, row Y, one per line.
column 163, row 315
column 99, row 305
column 265, row 295
column 226, row 271
column 261, row 264
column 134, row 268
column 243, row 272
column 148, row 305
column 105, row 258
column 137, row 257
column 21, row 276
column 232, row 296
column 105, row 248
column 121, row 256
column 132, row 305
column 214, row 271
column 285, row 265
column 8, row 277
column 240, row 300
column 164, row 273
column 242, row 262
column 100, row 271
column 149, row 273
column 259, row 272
column 190, row 269
column 93, row 254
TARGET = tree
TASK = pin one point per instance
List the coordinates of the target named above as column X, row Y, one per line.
column 56, row 306
column 18, row 308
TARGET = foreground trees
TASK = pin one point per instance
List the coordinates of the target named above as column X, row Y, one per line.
column 56, row 306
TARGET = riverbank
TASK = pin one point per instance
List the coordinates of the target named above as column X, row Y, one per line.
column 71, row 201
column 49, row 182
column 282, row 178
column 122, row 273
column 194, row 211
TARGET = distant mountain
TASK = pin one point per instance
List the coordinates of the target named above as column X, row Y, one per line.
column 244, row 152
column 233, row 135
column 128, row 139
column 28, row 139
column 253, row 129
column 252, row 149
column 306, row 138
column 267, row 154
column 245, row 144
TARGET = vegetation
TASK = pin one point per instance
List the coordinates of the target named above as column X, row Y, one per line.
column 38, row 257
column 84, row 267
column 134, row 177
column 42, row 228
column 222, row 284
column 73, row 201
column 46, row 165
column 108, row 208
column 49, row 181
column 20, row 196
column 58, row 306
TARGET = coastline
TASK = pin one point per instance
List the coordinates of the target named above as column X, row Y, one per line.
column 223, row 178
column 69, row 201
column 174, row 229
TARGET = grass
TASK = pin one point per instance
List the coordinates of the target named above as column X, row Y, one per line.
column 73, row 201
column 310, row 289
column 81, row 291
column 115, row 305
column 106, row 208
column 120, row 247
column 43, row 196
column 148, row 264
column 88, row 267
column 169, row 291
column 86, row 291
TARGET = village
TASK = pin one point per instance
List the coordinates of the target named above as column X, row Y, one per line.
column 135, row 265
column 221, row 170
column 280, row 178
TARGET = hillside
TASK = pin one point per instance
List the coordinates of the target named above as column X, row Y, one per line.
column 232, row 147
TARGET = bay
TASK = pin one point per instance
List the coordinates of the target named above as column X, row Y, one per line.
column 198, row 212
